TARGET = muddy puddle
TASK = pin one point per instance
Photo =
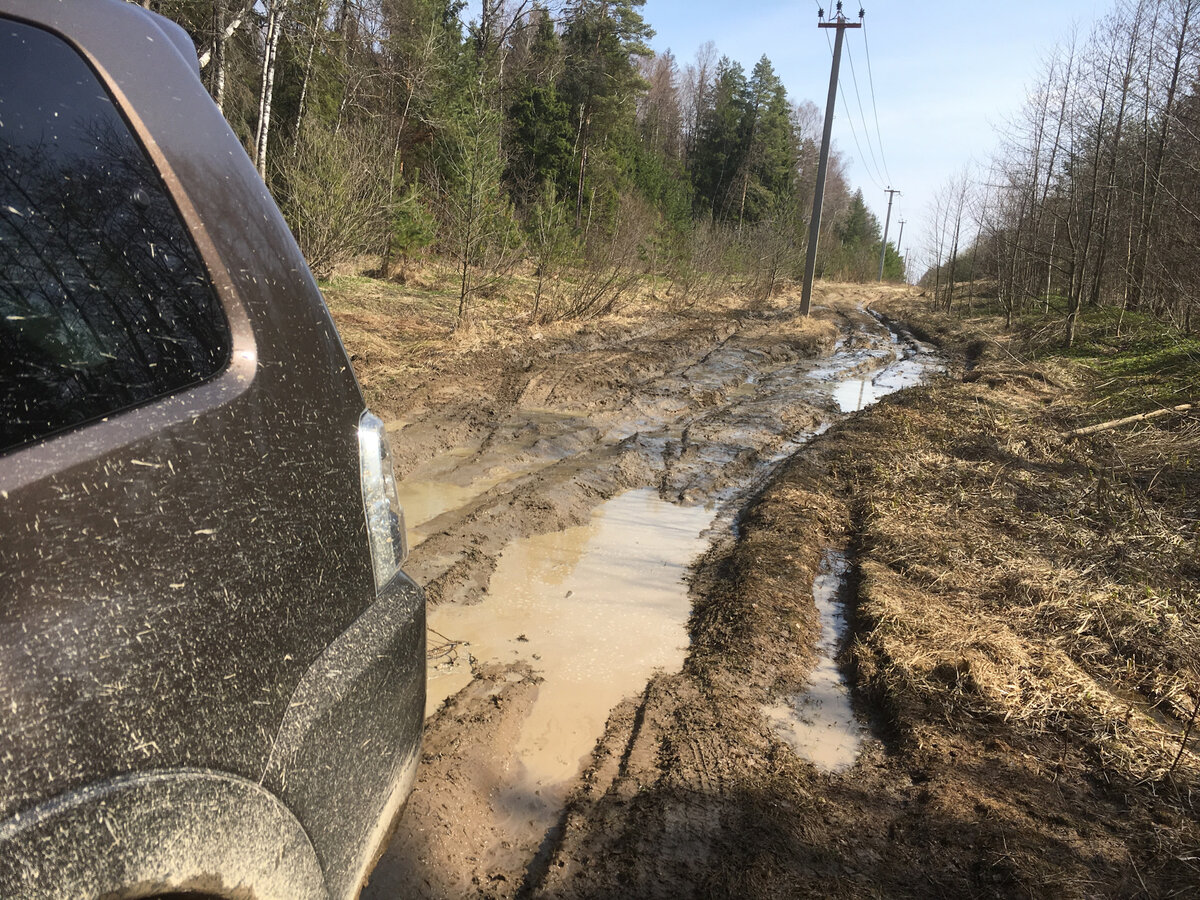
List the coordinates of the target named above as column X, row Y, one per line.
column 859, row 392
column 819, row 723
column 547, row 599
column 424, row 501
column 678, row 441
column 859, row 377
column 595, row 610
column 455, row 479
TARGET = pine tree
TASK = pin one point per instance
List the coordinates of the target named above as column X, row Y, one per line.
column 479, row 230
column 600, row 84
column 539, row 126
column 858, row 234
column 722, row 146
column 772, row 156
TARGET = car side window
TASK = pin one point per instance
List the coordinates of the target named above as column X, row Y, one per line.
column 104, row 300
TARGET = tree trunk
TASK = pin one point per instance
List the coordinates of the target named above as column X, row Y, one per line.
column 1110, row 189
column 974, row 258
column 468, row 241
column 1072, row 288
column 312, row 46
column 1037, row 209
column 1080, row 261
column 742, row 206
column 581, row 143
column 224, row 32
column 1141, row 262
column 219, row 45
column 397, row 171
column 274, row 29
column 1012, row 282
column 953, row 259
column 1050, row 270
column 1128, row 420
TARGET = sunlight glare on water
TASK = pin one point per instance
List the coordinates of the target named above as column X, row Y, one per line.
column 861, row 391
column 854, row 394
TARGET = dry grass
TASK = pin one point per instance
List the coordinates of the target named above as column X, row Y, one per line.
column 397, row 332
column 1007, row 577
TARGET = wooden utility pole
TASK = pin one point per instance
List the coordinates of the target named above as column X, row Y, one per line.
column 841, row 23
column 899, row 242
column 887, row 223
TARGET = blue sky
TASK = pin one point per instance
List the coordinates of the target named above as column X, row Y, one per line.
column 945, row 75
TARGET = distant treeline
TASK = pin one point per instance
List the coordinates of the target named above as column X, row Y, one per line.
column 1093, row 197
column 548, row 137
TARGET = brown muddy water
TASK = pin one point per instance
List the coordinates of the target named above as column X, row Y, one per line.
column 596, row 609
column 819, row 723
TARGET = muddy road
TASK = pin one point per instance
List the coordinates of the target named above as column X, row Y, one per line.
column 572, row 503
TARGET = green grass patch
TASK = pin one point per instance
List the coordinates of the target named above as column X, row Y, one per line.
column 1139, row 363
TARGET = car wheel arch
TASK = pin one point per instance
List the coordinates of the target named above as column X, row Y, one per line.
column 185, row 832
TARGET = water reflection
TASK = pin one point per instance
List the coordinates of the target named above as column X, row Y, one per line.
column 859, row 392
column 819, row 723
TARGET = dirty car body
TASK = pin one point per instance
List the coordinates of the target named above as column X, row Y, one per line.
column 211, row 665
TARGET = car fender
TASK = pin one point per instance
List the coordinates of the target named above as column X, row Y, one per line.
column 365, row 690
column 145, row 834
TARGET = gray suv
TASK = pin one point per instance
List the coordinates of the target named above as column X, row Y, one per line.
column 211, row 664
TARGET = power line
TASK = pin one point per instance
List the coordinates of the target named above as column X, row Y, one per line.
column 874, row 106
column 853, row 132
column 886, row 225
column 841, row 23
column 862, row 116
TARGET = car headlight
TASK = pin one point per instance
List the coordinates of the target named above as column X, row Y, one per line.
column 385, row 517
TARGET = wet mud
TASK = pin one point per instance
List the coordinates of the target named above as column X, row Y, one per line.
column 569, row 504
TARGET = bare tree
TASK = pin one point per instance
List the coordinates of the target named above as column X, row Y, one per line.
column 694, row 99
column 275, row 22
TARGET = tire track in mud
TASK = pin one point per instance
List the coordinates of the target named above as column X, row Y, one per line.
column 576, row 446
column 701, row 412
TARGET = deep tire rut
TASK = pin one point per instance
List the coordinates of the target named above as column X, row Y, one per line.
column 701, row 411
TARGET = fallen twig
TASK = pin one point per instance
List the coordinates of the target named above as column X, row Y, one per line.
column 1127, row 420
column 448, row 648
column 1187, row 733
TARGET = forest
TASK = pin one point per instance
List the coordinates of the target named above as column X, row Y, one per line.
column 1090, row 205
column 545, row 140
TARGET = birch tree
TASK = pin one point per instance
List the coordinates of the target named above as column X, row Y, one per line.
column 276, row 12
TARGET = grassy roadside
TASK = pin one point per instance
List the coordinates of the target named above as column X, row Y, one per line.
column 1019, row 587
column 976, row 496
column 395, row 332
column 401, row 334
